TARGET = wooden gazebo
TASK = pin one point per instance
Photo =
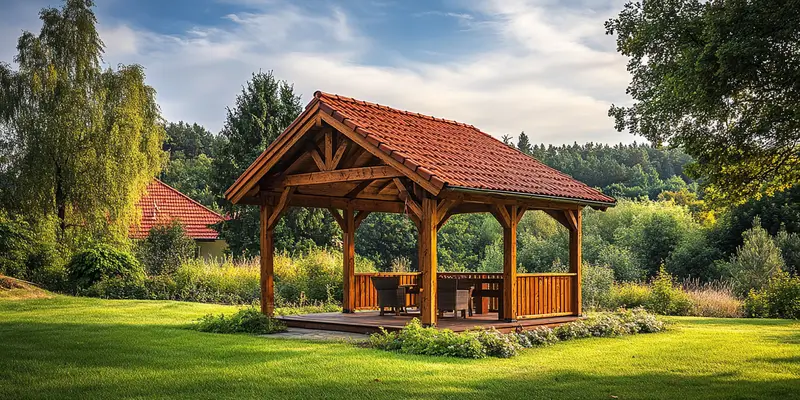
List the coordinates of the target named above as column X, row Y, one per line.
column 354, row 158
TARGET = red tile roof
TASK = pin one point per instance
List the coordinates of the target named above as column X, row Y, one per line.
column 452, row 153
column 163, row 203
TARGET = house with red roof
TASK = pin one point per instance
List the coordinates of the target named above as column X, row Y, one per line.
column 162, row 203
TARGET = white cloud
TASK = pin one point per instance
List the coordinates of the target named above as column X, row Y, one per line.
column 550, row 71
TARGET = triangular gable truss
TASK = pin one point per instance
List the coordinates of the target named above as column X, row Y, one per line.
column 321, row 162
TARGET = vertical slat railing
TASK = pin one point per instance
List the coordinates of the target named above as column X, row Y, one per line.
column 544, row 295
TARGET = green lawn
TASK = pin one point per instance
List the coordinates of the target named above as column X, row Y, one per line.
column 67, row 347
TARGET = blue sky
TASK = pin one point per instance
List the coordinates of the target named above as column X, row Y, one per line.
column 505, row 66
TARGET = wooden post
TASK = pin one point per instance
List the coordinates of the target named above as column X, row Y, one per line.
column 349, row 260
column 427, row 260
column 575, row 243
column 266, row 241
column 509, row 312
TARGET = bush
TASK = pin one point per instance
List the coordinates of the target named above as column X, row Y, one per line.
column 629, row 295
column 248, row 320
column 780, row 298
column 29, row 254
column 101, row 262
column 755, row 262
column 165, row 247
column 666, row 298
column 596, row 282
column 479, row 343
column 117, row 287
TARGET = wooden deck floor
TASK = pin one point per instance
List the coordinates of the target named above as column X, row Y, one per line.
column 371, row 321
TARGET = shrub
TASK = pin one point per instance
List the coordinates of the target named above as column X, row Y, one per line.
column 213, row 282
column 497, row 344
column 247, row 320
column 165, row 247
column 629, row 295
column 666, row 298
column 117, row 287
column 101, row 262
column 479, row 343
column 780, row 298
column 596, row 282
column 755, row 261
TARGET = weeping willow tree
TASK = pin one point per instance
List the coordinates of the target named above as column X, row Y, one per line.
column 79, row 142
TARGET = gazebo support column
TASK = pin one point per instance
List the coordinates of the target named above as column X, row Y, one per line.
column 575, row 258
column 267, row 247
column 349, row 257
column 427, row 260
column 509, row 312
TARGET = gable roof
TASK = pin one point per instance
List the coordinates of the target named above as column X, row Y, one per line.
column 163, row 203
column 443, row 152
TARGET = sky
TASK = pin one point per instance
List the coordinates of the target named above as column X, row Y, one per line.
column 542, row 67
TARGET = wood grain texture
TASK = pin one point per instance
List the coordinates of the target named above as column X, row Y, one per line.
column 427, row 262
column 267, row 260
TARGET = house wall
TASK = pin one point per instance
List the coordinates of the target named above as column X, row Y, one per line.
column 209, row 249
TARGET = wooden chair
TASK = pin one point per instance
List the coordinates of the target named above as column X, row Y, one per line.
column 450, row 298
column 390, row 293
column 464, row 284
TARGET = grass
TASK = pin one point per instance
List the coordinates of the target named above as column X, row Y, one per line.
column 65, row 347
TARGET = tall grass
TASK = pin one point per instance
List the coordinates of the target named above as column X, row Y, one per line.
column 709, row 299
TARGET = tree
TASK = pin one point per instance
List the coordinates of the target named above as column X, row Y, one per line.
column 523, row 144
column 82, row 142
column 165, row 247
column 755, row 262
column 720, row 79
column 190, row 141
column 264, row 108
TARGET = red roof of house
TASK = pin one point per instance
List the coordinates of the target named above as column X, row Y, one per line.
column 452, row 153
column 163, row 203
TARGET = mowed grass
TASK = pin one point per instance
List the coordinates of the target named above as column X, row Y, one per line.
column 65, row 347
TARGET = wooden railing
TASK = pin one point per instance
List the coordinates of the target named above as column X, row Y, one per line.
column 538, row 295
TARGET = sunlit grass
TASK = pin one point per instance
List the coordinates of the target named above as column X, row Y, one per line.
column 66, row 347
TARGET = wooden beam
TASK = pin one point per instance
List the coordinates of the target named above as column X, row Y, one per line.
column 358, row 189
column 443, row 220
column 334, row 162
column 444, row 207
column 337, row 217
column 560, row 217
column 520, row 213
column 341, row 175
column 501, row 213
column 372, row 148
column 530, row 203
column 271, row 155
column 509, row 313
column 318, row 160
column 267, row 260
column 360, row 217
column 575, row 261
column 348, row 260
column 427, row 260
column 306, row 200
column 406, row 198
column 470, row 208
column 283, row 202
column 571, row 218
column 328, row 147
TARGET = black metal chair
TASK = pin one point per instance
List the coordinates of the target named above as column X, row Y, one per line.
column 450, row 298
column 390, row 293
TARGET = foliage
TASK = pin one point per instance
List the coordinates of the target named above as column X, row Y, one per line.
column 479, row 343
column 246, row 320
column 666, row 298
column 383, row 237
column 117, row 287
column 755, row 262
column 165, row 247
column 264, row 108
column 596, row 284
column 719, row 79
column 190, row 141
column 191, row 176
column 101, row 262
column 629, row 295
column 80, row 142
column 780, row 298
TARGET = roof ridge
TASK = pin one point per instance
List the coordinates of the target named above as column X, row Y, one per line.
column 188, row 198
column 320, row 93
